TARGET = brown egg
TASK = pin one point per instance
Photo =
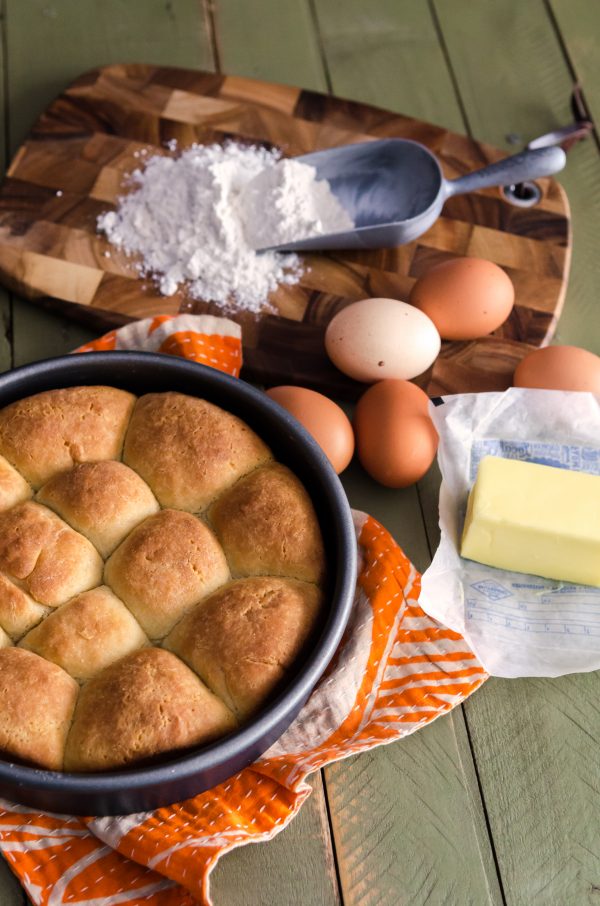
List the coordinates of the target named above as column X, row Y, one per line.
column 396, row 440
column 559, row 368
column 322, row 418
column 465, row 298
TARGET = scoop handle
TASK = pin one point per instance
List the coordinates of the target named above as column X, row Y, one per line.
column 518, row 168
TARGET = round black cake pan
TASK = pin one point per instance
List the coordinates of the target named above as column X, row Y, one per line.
column 181, row 777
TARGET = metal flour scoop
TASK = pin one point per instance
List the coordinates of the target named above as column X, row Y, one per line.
column 394, row 189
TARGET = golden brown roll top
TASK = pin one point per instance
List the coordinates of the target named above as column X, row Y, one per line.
column 18, row 611
column 52, row 562
column 242, row 639
column 268, row 526
column 37, row 699
column 102, row 500
column 164, row 567
column 146, row 703
column 188, row 450
column 13, row 487
column 50, row 432
column 87, row 634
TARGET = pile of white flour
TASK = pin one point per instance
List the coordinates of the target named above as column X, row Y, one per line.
column 196, row 220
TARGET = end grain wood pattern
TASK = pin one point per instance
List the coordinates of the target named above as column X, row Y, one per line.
column 75, row 162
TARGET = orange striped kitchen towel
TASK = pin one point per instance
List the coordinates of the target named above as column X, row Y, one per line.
column 202, row 338
column 396, row 670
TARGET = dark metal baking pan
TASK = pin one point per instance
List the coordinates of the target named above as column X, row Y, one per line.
column 183, row 776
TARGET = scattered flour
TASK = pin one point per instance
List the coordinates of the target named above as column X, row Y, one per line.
column 195, row 220
column 286, row 202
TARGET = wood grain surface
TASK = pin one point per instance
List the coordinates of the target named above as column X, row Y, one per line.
column 74, row 165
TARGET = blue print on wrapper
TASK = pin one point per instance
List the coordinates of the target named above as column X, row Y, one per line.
column 492, row 590
column 561, row 456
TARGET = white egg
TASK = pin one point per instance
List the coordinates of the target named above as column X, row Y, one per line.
column 382, row 338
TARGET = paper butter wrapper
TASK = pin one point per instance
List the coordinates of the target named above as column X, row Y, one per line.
column 517, row 624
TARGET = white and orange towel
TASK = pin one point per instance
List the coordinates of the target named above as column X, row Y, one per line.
column 212, row 341
column 395, row 671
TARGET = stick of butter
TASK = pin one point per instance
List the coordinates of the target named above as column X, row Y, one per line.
column 534, row 519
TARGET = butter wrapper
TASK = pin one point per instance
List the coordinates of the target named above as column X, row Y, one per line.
column 517, row 624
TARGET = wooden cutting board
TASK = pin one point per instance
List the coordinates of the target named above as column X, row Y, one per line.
column 72, row 168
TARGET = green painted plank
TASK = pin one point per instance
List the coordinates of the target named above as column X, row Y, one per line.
column 514, row 80
column 408, row 822
column 535, row 741
column 50, row 42
column 508, row 67
column 286, row 871
column 579, row 24
column 40, row 334
column 11, row 892
column 270, row 40
column 407, row 818
column 388, row 53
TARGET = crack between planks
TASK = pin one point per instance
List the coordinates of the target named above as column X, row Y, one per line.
column 338, row 878
column 570, row 65
column 210, row 16
column 424, row 521
column 312, row 9
column 488, row 825
column 448, row 60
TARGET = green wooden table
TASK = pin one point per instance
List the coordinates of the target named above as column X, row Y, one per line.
column 496, row 803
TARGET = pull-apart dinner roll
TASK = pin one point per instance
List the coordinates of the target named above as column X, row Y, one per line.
column 49, row 432
column 164, row 567
column 145, row 704
column 52, row 562
column 18, row 611
column 13, row 487
column 102, row 500
column 243, row 638
column 188, row 450
column 268, row 526
column 87, row 634
column 37, row 699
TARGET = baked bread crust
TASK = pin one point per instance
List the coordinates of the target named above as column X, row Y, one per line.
column 148, row 702
column 18, row 611
column 51, row 431
column 37, row 699
column 13, row 487
column 151, row 604
column 267, row 526
column 188, row 450
column 242, row 639
column 102, row 500
column 164, row 567
column 86, row 634
column 51, row 560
